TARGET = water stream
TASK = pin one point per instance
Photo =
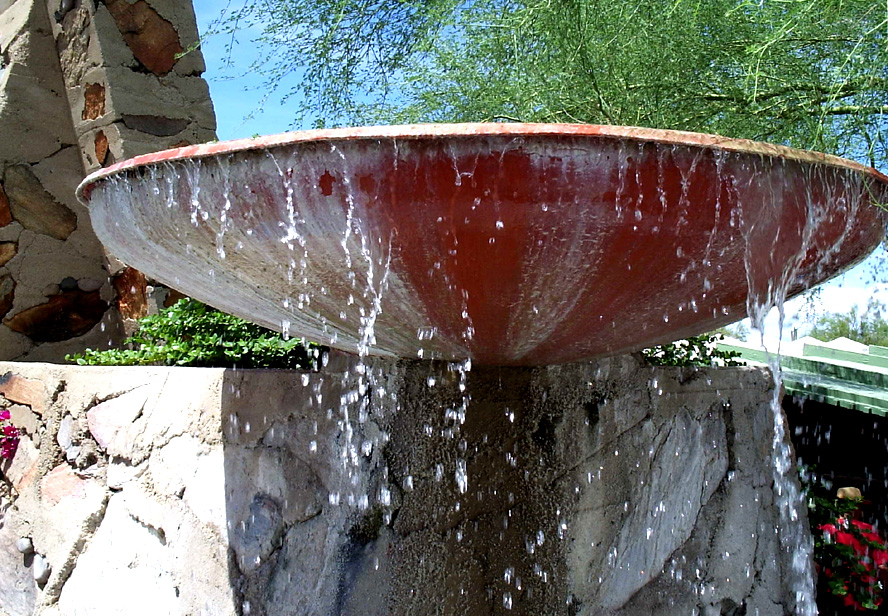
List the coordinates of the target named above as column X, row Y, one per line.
column 339, row 279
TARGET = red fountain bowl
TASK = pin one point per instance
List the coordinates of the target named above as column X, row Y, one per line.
column 510, row 244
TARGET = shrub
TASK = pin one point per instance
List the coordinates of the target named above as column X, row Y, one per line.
column 693, row 351
column 190, row 333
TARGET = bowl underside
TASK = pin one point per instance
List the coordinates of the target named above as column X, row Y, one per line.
column 509, row 244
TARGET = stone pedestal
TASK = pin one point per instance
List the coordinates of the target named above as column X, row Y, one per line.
column 397, row 488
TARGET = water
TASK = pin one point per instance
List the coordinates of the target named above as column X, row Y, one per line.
column 283, row 201
column 767, row 292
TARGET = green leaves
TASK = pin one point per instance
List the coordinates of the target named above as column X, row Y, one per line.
column 869, row 327
column 192, row 334
column 694, row 351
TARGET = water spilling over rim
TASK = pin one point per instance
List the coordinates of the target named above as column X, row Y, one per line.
column 510, row 244
column 426, row 131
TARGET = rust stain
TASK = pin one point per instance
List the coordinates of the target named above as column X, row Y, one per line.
column 325, row 182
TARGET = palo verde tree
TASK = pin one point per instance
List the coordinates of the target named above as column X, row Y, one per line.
column 806, row 73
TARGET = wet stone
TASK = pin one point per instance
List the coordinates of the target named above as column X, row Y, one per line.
column 152, row 39
column 33, row 207
column 261, row 531
column 65, row 316
column 132, row 293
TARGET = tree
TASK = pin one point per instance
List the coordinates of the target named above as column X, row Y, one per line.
column 869, row 327
column 806, row 73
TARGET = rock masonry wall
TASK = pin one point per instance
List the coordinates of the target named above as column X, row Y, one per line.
column 83, row 84
column 590, row 489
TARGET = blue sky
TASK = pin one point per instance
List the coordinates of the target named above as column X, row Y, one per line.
column 237, row 93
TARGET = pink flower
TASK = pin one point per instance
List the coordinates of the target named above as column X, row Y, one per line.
column 10, row 431
column 8, row 447
column 4, row 414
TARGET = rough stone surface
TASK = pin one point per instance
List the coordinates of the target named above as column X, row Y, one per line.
column 22, row 469
column 108, row 419
column 5, row 215
column 18, row 590
column 24, row 418
column 66, row 315
column 7, row 294
column 30, row 392
column 607, row 489
column 35, row 208
column 152, row 39
column 7, row 252
column 74, row 74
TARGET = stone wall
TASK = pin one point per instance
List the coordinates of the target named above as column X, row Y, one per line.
column 82, row 85
column 390, row 488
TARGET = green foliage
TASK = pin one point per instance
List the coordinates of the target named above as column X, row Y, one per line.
column 192, row 334
column 808, row 73
column 694, row 351
column 869, row 327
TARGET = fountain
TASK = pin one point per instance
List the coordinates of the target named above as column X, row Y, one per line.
column 506, row 244
column 501, row 480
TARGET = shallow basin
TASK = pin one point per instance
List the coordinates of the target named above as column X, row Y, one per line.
column 510, row 244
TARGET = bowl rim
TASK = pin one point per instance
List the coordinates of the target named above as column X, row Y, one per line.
column 413, row 132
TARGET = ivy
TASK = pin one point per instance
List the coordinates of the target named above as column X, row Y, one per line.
column 190, row 333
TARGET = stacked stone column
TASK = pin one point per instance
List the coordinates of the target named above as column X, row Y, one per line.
column 82, row 85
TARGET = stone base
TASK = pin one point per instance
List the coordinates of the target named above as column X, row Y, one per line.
column 607, row 488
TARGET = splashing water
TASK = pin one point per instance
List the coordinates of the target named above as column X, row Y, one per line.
column 769, row 290
column 290, row 198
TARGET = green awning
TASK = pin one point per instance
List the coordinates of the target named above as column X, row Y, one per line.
column 848, row 379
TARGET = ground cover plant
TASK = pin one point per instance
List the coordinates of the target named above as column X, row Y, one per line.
column 190, row 333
